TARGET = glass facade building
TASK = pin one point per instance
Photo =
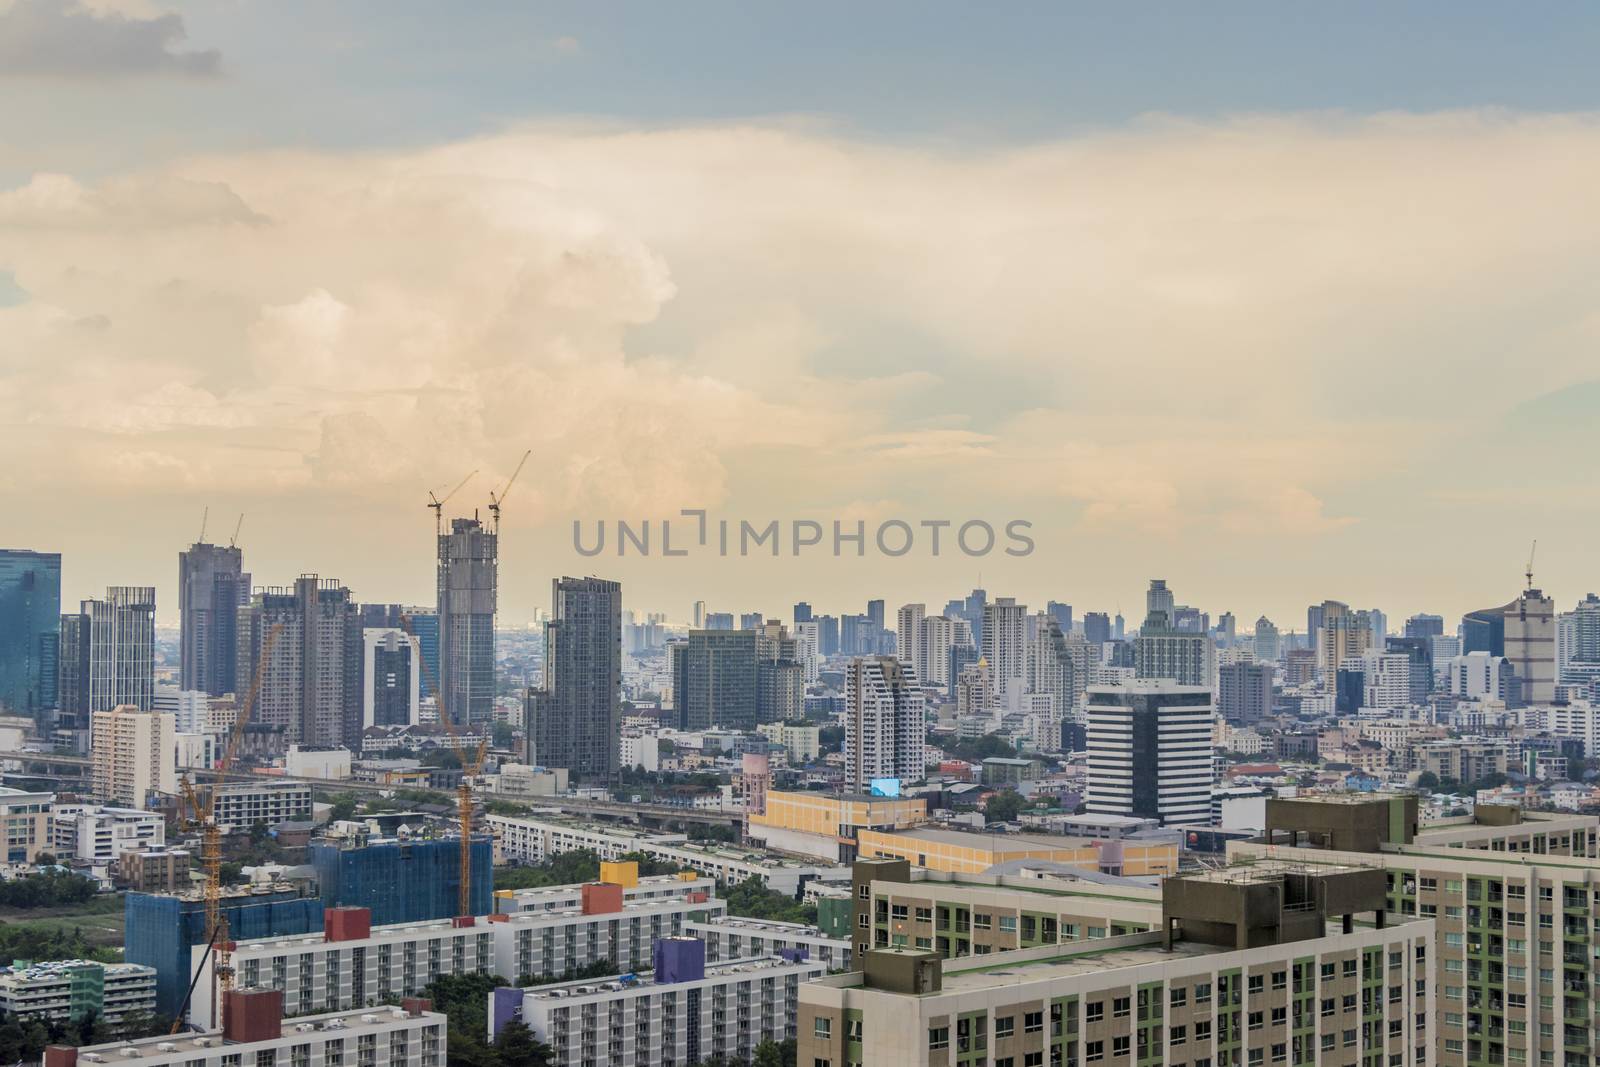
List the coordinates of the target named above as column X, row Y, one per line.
column 30, row 619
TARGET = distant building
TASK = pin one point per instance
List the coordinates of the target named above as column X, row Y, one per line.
column 1244, row 692
column 391, row 678
column 132, row 755
column 403, row 881
column 1096, row 627
column 30, row 611
column 1344, row 635
column 1267, row 646
column 574, row 720
column 63, row 991
column 114, row 642
column 468, row 576
column 311, row 686
column 1150, row 751
column 1424, row 626
column 885, row 723
column 1005, row 646
column 714, row 681
column 26, row 818
column 212, row 586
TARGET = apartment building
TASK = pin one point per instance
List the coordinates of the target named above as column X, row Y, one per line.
column 635, row 890
column 686, row 1012
column 98, row 834
column 1466, row 760
column 132, row 755
column 25, row 824
column 1516, row 897
column 242, row 806
column 1257, row 965
column 61, row 991
column 737, row 938
column 255, row 1033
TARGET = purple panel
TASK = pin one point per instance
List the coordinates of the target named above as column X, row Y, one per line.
column 505, row 1005
column 679, row 959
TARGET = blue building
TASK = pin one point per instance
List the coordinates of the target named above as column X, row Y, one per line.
column 163, row 930
column 30, row 626
column 425, row 628
column 404, row 881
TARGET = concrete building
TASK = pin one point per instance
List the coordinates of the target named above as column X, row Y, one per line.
column 1266, row 643
column 826, row 825
column 468, row 577
column 1244, row 692
column 962, row 852
column 25, row 824
column 686, row 1012
column 574, row 720
column 802, row 743
column 243, row 806
column 311, row 684
column 1530, row 635
column 885, row 729
column 1149, row 749
column 399, row 881
column 98, row 835
column 254, row 1034
column 911, row 640
column 737, row 938
column 62, row 991
column 30, row 613
column 714, row 680
column 132, row 755
column 156, row 870
column 1386, row 680
column 941, row 636
column 331, row 764
column 1005, row 646
column 120, row 652
column 391, row 677
column 1343, row 635
column 635, row 890
column 212, row 587
column 1465, row 760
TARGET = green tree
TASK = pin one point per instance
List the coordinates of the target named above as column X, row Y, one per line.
column 344, row 807
column 768, row 1054
column 502, row 735
column 1576, row 768
column 517, row 1047
column 752, row 899
column 1428, row 782
column 1003, row 806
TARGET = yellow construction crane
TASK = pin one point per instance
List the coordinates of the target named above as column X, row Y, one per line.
column 498, row 498
column 203, row 809
column 438, row 505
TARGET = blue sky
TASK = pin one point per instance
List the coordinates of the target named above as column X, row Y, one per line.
column 1282, row 301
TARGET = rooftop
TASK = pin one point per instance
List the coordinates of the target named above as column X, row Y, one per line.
column 345, row 1022
column 581, row 990
column 980, row 839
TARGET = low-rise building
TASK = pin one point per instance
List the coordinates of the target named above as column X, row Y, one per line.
column 737, row 938
column 802, row 743
column 687, row 1011
column 25, row 824
column 246, row 804
column 63, row 991
column 154, row 870
column 635, row 890
column 522, row 780
column 826, row 825
column 97, row 834
column 973, row 853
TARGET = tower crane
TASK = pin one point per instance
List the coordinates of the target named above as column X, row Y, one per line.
column 205, row 516
column 498, row 498
column 1531, row 551
column 202, row 806
column 438, row 505
column 233, row 542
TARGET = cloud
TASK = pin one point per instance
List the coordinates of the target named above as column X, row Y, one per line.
column 69, row 39
column 567, row 46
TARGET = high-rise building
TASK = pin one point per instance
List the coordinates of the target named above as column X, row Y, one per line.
column 910, row 642
column 780, row 680
column 212, row 586
column 1530, row 629
column 719, row 620
column 940, row 636
column 1578, row 643
column 1314, row 615
column 1186, row 658
column 1419, row 652
column 828, row 639
column 468, row 576
column 1005, row 646
column 121, row 631
column 1057, row 668
column 574, row 720
column 714, row 680
column 802, row 611
column 1150, row 751
column 1424, row 626
column 72, row 673
column 391, row 677
column 1484, row 630
column 885, row 723
column 698, row 615
column 1096, row 627
column 311, row 683
column 1344, row 635
column 1062, row 613
column 1244, row 692
column 30, row 626
column 1267, row 643
column 1227, row 628
column 132, row 755
column 1376, row 622
column 806, row 650
column 1158, row 601
column 1386, row 681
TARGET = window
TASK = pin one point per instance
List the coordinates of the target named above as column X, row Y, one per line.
column 1256, row 1056
column 938, row 1037
column 1202, row 1030
column 1033, row 1059
column 1280, row 979
column 1121, row 1007
column 1180, row 997
column 822, row 1027
column 1258, row 982
column 1329, row 1041
column 1349, row 968
column 1280, row 1016
column 899, row 911
column 1349, row 1039
column 1008, row 924
column 1280, row 1052
column 1349, row 1002
column 1094, row 1051
column 1032, row 1022
column 1328, row 971
column 1119, row 1046
column 1005, row 1026
column 1179, row 1035
column 1202, row 993
column 981, row 920
column 1094, row 1011
column 1327, row 1006
column 1256, row 1020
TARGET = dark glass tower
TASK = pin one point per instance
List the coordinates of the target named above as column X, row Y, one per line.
column 574, row 720
column 30, row 611
column 468, row 574
column 212, row 586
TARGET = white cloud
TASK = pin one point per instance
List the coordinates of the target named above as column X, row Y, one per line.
column 96, row 39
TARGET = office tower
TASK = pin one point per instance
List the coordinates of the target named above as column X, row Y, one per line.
column 467, row 583
column 1244, row 692
column 1476, row 675
column 1376, row 622
column 1484, row 630
column 1349, row 686
column 30, row 627
column 807, row 654
column 1314, row 615
column 802, row 611
column 1386, row 679
column 1441, row 650
column 1578, row 643
column 132, row 755
column 885, row 723
column 1054, row 669
column 1227, row 628
column 714, row 680
column 852, row 635
column 424, row 623
column 1189, row 620
column 1419, row 654
column 72, row 674
column 875, row 615
column 698, row 615
column 938, row 640
column 719, row 620
column 1062, row 613
column 1119, row 628
column 1150, row 751
column 1005, row 646
column 750, row 620
column 391, row 677
column 1530, row 630
column 574, row 721
column 910, row 643
column 311, row 684
column 827, row 635
column 1424, row 626
column 212, row 586
column 1344, row 635
column 1159, row 605
column 1096, row 627
column 1266, row 641
column 121, row 633
column 780, row 680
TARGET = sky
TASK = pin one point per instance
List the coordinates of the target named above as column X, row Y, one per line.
column 1279, row 302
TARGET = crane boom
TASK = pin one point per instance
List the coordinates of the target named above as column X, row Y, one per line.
column 233, row 542
column 205, row 517
column 438, row 505
column 496, row 499
column 1531, row 552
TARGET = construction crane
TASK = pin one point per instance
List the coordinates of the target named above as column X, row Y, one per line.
column 471, row 768
column 1531, row 551
column 233, row 542
column 496, row 499
column 438, row 505
column 203, row 815
column 205, row 517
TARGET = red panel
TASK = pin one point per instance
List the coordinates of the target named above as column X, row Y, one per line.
column 346, row 924
column 252, row 1014
column 601, row 898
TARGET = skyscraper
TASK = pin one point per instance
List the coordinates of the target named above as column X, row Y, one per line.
column 468, row 576
column 311, row 686
column 1345, row 635
column 1161, row 650
column 802, row 611
column 1530, row 630
column 1150, row 752
column 1158, row 601
column 1062, row 613
column 132, row 755
column 1424, row 626
column 1244, row 692
column 910, row 642
column 121, row 651
column 1266, row 640
column 714, row 680
column 1096, row 627
column 30, row 624
column 391, row 677
column 1005, row 646
column 72, row 674
column 574, row 720
column 212, row 586
column 885, row 723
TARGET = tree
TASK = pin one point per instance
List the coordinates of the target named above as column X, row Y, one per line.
column 501, row 735
column 1003, row 807
column 344, row 807
column 259, row 833
column 1576, row 768
column 752, row 899
column 46, row 859
column 518, row 1047
column 1428, row 782
column 768, row 1054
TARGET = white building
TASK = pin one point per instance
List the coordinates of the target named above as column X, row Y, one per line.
column 1477, row 675
column 387, row 1036
column 802, row 743
column 737, row 938
column 566, row 897
column 242, row 806
column 329, row 763
column 25, row 822
column 940, row 637
column 195, row 750
column 910, row 640
column 97, row 834
column 54, row 991
column 1387, row 680
column 640, row 748
column 885, row 723
column 1005, row 645
column 521, row 780
column 132, row 755
column 1149, row 746
column 807, row 650
column 391, row 673
column 653, row 1020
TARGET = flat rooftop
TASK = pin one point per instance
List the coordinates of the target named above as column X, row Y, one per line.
column 1270, row 871
column 341, row 1022
column 979, row 839
column 604, row 988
